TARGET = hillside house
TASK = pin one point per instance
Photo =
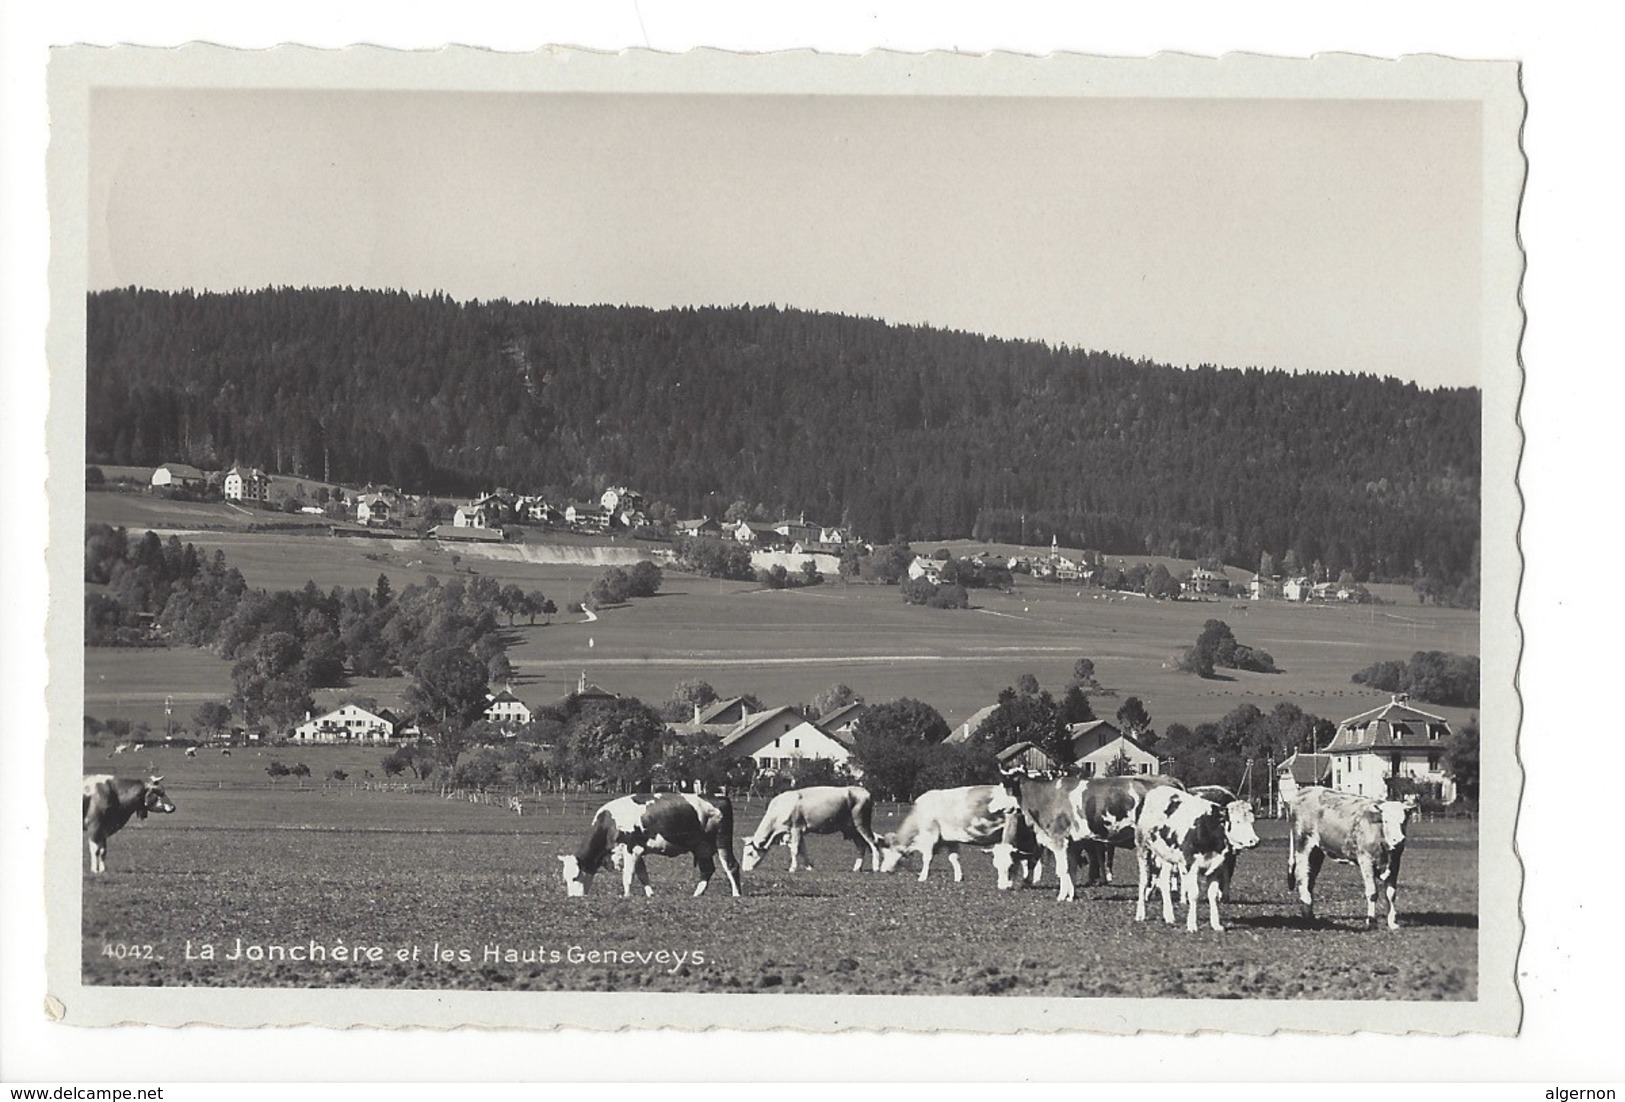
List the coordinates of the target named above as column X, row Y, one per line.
column 375, row 510
column 246, row 484
column 1118, row 756
column 699, row 526
column 1024, row 755
column 1066, row 570
column 1261, row 588
column 586, row 691
column 964, row 731
column 536, row 510
column 833, row 537
column 778, row 738
column 618, row 499
column 506, row 710
column 1203, row 582
column 182, row 475
column 754, row 534
column 587, row 517
column 1388, row 742
column 470, row 516
column 1296, row 589
column 796, row 531
column 927, row 568
column 730, row 711
column 1089, row 737
column 1302, row 771
column 843, row 721
column 347, row 723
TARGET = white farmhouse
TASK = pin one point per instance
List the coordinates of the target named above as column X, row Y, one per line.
column 348, row 723
column 246, row 484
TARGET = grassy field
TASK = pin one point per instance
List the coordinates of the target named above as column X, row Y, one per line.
column 428, row 880
column 786, row 645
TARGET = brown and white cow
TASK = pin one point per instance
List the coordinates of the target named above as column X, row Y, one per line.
column 1356, row 830
column 941, row 821
column 823, row 809
column 669, row 824
column 109, row 803
column 1070, row 815
column 1194, row 838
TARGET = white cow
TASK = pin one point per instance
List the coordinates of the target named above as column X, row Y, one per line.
column 944, row 819
column 823, row 809
column 1356, row 830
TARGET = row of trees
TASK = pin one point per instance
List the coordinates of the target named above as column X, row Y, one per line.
column 1436, row 677
column 285, row 643
column 942, row 434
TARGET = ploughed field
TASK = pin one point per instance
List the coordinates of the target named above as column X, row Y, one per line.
column 429, row 893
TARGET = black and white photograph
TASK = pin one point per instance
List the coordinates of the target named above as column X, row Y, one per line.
column 938, row 532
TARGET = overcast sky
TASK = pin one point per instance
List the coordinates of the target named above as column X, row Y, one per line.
column 1308, row 235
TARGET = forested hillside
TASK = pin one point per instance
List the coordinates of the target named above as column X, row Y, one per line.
column 892, row 430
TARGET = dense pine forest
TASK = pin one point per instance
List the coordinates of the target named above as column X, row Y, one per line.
column 896, row 431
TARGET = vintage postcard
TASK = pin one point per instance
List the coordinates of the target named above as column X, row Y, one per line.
column 920, row 542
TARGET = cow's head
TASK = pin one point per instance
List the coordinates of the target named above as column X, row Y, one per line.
column 576, row 878
column 890, row 854
column 751, row 854
column 1395, row 814
column 156, row 799
column 1238, row 825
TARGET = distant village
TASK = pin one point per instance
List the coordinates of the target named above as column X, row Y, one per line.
column 499, row 515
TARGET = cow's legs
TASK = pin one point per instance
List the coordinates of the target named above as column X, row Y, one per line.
column 1391, row 885
column 926, row 843
column 1066, row 870
column 628, row 864
column 1165, row 881
column 1190, row 885
column 1215, row 892
column 98, row 854
column 1035, row 869
column 798, row 849
column 1142, row 862
column 705, row 861
column 730, row 867
column 1306, row 865
column 1368, row 877
column 640, row 872
column 953, row 859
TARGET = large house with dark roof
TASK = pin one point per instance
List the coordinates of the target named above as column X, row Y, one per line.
column 1394, row 740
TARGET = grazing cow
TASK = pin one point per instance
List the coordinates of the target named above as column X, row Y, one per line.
column 516, row 805
column 191, row 751
column 121, row 748
column 824, row 809
column 108, row 805
column 670, row 824
column 1355, row 830
column 1193, row 837
column 942, row 820
column 225, row 753
column 1070, row 815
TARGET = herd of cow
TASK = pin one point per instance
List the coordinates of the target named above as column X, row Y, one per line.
column 1186, row 840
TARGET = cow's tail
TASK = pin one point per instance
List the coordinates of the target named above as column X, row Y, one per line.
column 863, row 811
column 1291, row 859
column 725, row 825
